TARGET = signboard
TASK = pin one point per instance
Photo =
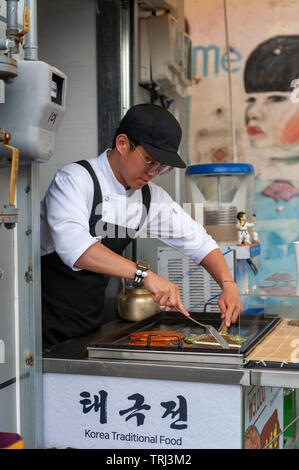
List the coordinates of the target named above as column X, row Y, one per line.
column 263, row 417
column 92, row 412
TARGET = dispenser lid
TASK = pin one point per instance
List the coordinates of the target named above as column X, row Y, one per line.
column 219, row 168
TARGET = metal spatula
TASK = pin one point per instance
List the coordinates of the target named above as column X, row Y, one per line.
column 210, row 329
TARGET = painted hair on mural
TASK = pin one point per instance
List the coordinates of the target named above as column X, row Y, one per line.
column 272, row 65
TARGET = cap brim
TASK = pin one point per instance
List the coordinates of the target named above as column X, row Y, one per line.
column 163, row 156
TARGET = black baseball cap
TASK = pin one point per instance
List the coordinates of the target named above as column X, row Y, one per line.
column 157, row 130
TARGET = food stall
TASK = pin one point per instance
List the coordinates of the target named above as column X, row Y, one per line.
column 107, row 390
column 100, row 392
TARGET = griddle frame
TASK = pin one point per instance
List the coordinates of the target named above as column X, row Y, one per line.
column 110, row 347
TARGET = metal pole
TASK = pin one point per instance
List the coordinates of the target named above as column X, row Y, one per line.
column 281, row 432
column 30, row 39
column 232, row 114
column 125, row 57
column 12, row 18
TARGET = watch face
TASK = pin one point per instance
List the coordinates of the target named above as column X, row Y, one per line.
column 142, row 265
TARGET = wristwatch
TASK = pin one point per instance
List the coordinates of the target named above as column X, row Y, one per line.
column 141, row 273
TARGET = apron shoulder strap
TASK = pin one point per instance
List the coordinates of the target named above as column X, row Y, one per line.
column 146, row 197
column 97, row 198
column 146, row 201
column 97, row 195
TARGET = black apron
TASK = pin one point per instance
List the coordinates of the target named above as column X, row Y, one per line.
column 73, row 301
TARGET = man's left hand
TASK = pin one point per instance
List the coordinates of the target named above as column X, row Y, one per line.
column 230, row 303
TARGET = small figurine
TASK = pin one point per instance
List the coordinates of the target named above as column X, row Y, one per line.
column 242, row 227
column 255, row 237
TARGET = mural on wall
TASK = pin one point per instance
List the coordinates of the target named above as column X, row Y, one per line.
column 246, row 108
column 210, row 126
column 272, row 112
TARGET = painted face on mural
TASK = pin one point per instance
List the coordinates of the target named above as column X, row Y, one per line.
column 272, row 121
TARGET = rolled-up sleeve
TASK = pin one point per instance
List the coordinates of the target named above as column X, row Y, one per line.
column 67, row 206
column 168, row 222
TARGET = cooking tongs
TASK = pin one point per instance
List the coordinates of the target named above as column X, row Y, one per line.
column 210, row 329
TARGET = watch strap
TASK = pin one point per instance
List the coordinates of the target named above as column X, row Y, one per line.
column 141, row 273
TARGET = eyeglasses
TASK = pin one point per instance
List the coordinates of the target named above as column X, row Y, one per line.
column 151, row 166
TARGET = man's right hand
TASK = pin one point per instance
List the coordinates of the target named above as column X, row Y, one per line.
column 164, row 292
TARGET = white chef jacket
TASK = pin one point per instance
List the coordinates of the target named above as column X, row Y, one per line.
column 66, row 208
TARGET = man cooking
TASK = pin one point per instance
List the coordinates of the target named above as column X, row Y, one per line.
column 92, row 211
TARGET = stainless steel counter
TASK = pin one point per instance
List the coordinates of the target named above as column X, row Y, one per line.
column 70, row 357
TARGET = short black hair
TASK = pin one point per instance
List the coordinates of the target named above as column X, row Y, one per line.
column 118, row 131
column 272, row 65
column 240, row 215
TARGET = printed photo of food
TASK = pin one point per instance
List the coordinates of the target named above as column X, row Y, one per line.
column 252, row 438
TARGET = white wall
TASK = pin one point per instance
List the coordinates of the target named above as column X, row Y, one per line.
column 67, row 40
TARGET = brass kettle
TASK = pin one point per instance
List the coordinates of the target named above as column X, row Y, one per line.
column 136, row 303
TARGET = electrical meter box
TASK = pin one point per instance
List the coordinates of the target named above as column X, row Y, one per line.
column 33, row 110
column 165, row 55
column 166, row 60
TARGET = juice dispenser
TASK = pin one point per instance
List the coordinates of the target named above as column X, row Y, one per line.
column 224, row 190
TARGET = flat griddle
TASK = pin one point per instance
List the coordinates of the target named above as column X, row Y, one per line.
column 254, row 327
